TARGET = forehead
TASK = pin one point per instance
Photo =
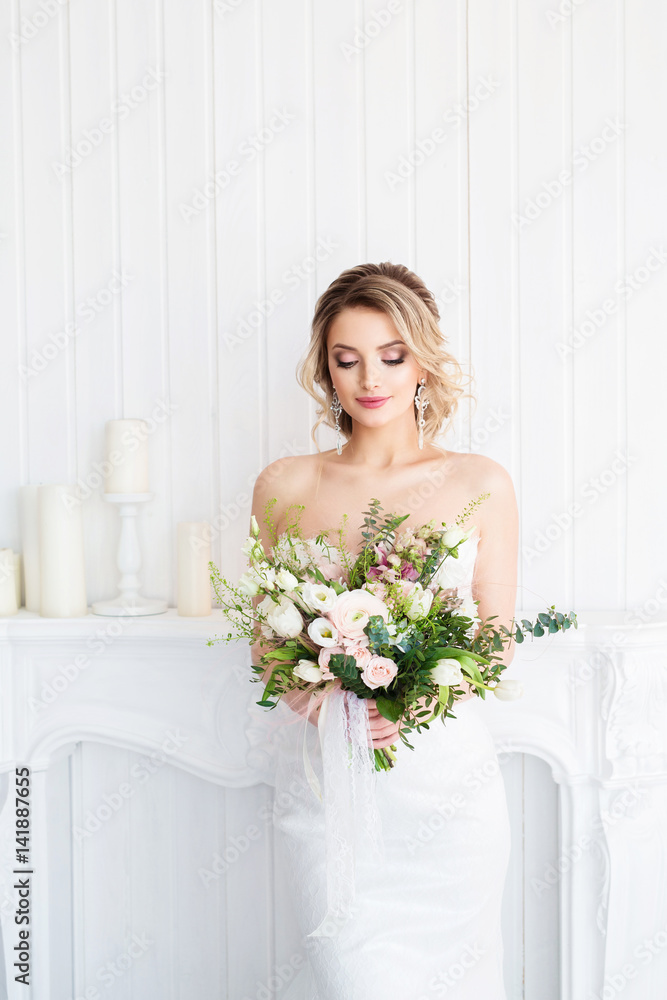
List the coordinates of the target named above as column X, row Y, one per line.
column 359, row 325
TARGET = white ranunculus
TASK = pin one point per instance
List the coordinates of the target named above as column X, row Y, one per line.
column 323, row 632
column 308, row 671
column 285, row 618
column 419, row 602
column 318, row 597
column 286, row 580
column 508, row 690
column 447, row 671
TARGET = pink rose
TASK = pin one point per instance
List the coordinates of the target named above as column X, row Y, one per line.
column 331, row 571
column 323, row 660
column 360, row 652
column 352, row 610
column 379, row 672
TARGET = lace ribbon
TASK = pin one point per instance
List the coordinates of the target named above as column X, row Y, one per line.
column 353, row 830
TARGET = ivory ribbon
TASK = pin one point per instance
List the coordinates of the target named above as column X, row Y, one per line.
column 353, row 830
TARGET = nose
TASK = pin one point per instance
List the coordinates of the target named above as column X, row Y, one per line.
column 370, row 378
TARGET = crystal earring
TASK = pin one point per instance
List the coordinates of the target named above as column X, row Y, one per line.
column 421, row 403
column 337, row 410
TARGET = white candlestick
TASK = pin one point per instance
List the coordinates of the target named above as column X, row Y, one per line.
column 17, row 578
column 127, row 456
column 8, row 604
column 193, row 582
column 129, row 601
column 63, row 583
column 29, row 517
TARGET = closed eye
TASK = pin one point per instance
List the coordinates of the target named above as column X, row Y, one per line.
column 391, row 361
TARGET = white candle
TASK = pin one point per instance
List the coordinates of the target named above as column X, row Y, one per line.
column 8, row 604
column 126, row 444
column 17, row 578
column 29, row 517
column 63, row 583
column 193, row 575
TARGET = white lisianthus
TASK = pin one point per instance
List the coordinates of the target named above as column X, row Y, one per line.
column 318, row 597
column 254, row 527
column 248, row 545
column 249, row 583
column 447, row 671
column 285, row 580
column 285, row 618
column 419, row 602
column 323, row 632
column 308, row 671
column 454, row 536
column 508, row 690
column 468, row 608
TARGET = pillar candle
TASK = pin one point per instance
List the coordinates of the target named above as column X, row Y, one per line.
column 29, row 518
column 126, row 444
column 17, row 578
column 62, row 572
column 8, row 604
column 193, row 575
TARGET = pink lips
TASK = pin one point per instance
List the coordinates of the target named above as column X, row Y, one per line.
column 372, row 402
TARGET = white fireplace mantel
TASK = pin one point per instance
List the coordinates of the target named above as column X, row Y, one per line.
column 594, row 707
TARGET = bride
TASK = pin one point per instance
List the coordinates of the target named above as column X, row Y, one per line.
column 426, row 910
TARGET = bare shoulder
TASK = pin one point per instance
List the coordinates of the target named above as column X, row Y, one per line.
column 478, row 475
column 283, row 477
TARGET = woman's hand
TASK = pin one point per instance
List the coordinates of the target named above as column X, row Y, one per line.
column 384, row 732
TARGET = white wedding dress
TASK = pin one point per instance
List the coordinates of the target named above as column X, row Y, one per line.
column 413, row 864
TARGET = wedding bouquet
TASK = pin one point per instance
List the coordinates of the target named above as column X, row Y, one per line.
column 384, row 625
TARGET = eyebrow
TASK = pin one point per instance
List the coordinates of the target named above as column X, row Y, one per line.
column 390, row 344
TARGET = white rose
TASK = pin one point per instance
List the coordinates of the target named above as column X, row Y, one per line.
column 508, row 690
column 285, row 619
column 419, row 602
column 318, row 597
column 308, row 671
column 323, row 632
column 447, row 671
column 286, row 580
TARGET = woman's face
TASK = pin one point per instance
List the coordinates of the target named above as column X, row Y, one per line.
column 371, row 367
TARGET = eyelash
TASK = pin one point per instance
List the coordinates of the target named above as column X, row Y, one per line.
column 392, row 361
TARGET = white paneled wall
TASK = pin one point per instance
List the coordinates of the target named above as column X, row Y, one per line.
column 181, row 180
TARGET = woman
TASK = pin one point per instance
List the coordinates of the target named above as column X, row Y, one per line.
column 426, row 918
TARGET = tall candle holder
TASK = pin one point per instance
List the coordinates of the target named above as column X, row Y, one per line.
column 129, row 600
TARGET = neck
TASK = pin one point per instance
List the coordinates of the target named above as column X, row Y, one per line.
column 394, row 444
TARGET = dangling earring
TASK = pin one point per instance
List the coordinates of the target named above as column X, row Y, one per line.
column 421, row 403
column 337, row 410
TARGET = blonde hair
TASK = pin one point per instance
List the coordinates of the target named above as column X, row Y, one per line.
column 395, row 290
